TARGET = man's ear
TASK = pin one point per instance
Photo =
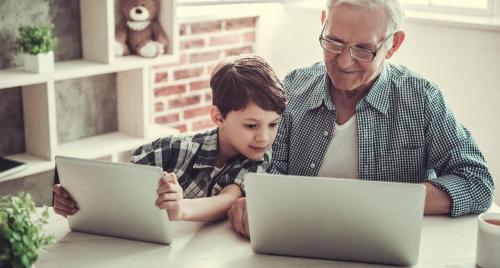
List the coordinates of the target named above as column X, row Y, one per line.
column 323, row 17
column 216, row 116
column 397, row 39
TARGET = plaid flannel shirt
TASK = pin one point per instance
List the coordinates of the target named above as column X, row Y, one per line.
column 406, row 134
column 192, row 159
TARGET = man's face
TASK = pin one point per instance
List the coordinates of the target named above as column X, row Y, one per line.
column 354, row 26
column 250, row 131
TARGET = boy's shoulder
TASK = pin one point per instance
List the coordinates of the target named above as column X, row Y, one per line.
column 187, row 139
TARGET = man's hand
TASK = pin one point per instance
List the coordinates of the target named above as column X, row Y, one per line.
column 64, row 204
column 238, row 216
column 437, row 201
column 170, row 195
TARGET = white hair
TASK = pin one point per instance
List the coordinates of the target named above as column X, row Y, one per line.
column 393, row 8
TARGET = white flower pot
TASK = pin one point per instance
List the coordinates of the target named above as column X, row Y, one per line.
column 40, row 63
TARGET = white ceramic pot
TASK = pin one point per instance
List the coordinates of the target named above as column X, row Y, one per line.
column 40, row 63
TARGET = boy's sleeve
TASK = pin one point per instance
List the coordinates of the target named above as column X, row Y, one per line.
column 158, row 153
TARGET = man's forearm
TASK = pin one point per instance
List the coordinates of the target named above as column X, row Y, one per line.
column 436, row 200
column 211, row 208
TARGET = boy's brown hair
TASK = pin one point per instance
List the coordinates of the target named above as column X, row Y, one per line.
column 237, row 81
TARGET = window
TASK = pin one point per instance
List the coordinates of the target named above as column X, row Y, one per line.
column 217, row 2
column 474, row 7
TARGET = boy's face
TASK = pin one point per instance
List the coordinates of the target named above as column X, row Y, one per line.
column 250, row 131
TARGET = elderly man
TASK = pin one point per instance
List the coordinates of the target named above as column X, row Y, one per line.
column 358, row 116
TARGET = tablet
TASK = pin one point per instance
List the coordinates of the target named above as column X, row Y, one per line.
column 115, row 199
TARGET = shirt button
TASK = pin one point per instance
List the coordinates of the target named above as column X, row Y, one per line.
column 313, row 165
column 325, row 133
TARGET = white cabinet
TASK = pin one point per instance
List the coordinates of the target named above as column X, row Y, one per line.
column 134, row 94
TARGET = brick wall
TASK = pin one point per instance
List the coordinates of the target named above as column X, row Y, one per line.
column 182, row 95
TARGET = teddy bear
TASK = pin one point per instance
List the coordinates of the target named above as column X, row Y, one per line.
column 139, row 31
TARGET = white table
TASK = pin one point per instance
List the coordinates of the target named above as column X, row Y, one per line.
column 445, row 243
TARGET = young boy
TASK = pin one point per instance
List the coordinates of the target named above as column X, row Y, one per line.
column 204, row 172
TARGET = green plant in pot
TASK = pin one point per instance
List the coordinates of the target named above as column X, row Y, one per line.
column 21, row 234
column 37, row 44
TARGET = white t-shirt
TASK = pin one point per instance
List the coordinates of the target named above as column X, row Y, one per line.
column 341, row 158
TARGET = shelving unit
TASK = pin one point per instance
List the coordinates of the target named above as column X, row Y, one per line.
column 134, row 78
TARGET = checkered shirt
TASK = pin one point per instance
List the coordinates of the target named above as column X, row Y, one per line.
column 192, row 159
column 407, row 133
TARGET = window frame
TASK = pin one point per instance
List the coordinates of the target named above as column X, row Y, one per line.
column 492, row 9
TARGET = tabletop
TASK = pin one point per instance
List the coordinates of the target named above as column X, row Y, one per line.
column 445, row 242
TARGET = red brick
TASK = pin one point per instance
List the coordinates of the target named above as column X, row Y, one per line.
column 238, row 51
column 182, row 60
column 183, row 29
column 165, row 119
column 208, row 96
column 181, row 128
column 225, row 40
column 197, row 112
column 234, row 24
column 194, row 43
column 206, row 27
column 161, row 77
column 159, row 106
column 200, row 85
column 249, row 37
column 170, row 90
column 184, row 101
column 199, row 125
column 204, row 56
column 188, row 73
column 210, row 68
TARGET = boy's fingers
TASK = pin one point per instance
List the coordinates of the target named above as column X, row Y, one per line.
column 59, row 190
column 167, row 197
column 61, row 202
column 236, row 217
column 168, row 188
column 168, row 177
column 169, row 205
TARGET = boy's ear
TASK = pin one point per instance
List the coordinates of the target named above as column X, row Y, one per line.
column 216, row 116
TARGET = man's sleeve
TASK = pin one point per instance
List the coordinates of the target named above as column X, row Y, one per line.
column 280, row 157
column 453, row 154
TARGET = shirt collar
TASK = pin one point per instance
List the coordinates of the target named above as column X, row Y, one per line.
column 321, row 97
column 208, row 152
column 378, row 96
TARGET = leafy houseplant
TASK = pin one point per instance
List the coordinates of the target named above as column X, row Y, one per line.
column 37, row 43
column 20, row 235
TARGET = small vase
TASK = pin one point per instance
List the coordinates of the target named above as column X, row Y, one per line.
column 39, row 63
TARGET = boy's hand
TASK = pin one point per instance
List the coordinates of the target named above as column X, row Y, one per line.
column 170, row 195
column 64, row 205
column 238, row 216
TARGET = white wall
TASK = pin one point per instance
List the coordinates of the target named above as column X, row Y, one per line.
column 465, row 62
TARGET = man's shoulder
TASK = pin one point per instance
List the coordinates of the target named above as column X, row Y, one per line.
column 310, row 72
column 405, row 78
column 304, row 81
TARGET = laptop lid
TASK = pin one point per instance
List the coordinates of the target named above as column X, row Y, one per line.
column 115, row 199
column 341, row 219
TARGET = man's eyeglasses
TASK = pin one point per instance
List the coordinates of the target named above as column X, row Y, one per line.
column 362, row 54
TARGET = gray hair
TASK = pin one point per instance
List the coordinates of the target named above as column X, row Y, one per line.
column 393, row 8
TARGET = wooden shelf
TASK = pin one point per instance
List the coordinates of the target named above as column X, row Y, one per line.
column 65, row 70
column 134, row 94
column 34, row 165
column 107, row 144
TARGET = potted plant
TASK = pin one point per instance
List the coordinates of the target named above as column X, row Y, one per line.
column 37, row 45
column 21, row 235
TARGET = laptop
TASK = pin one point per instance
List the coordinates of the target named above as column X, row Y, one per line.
column 340, row 219
column 115, row 199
